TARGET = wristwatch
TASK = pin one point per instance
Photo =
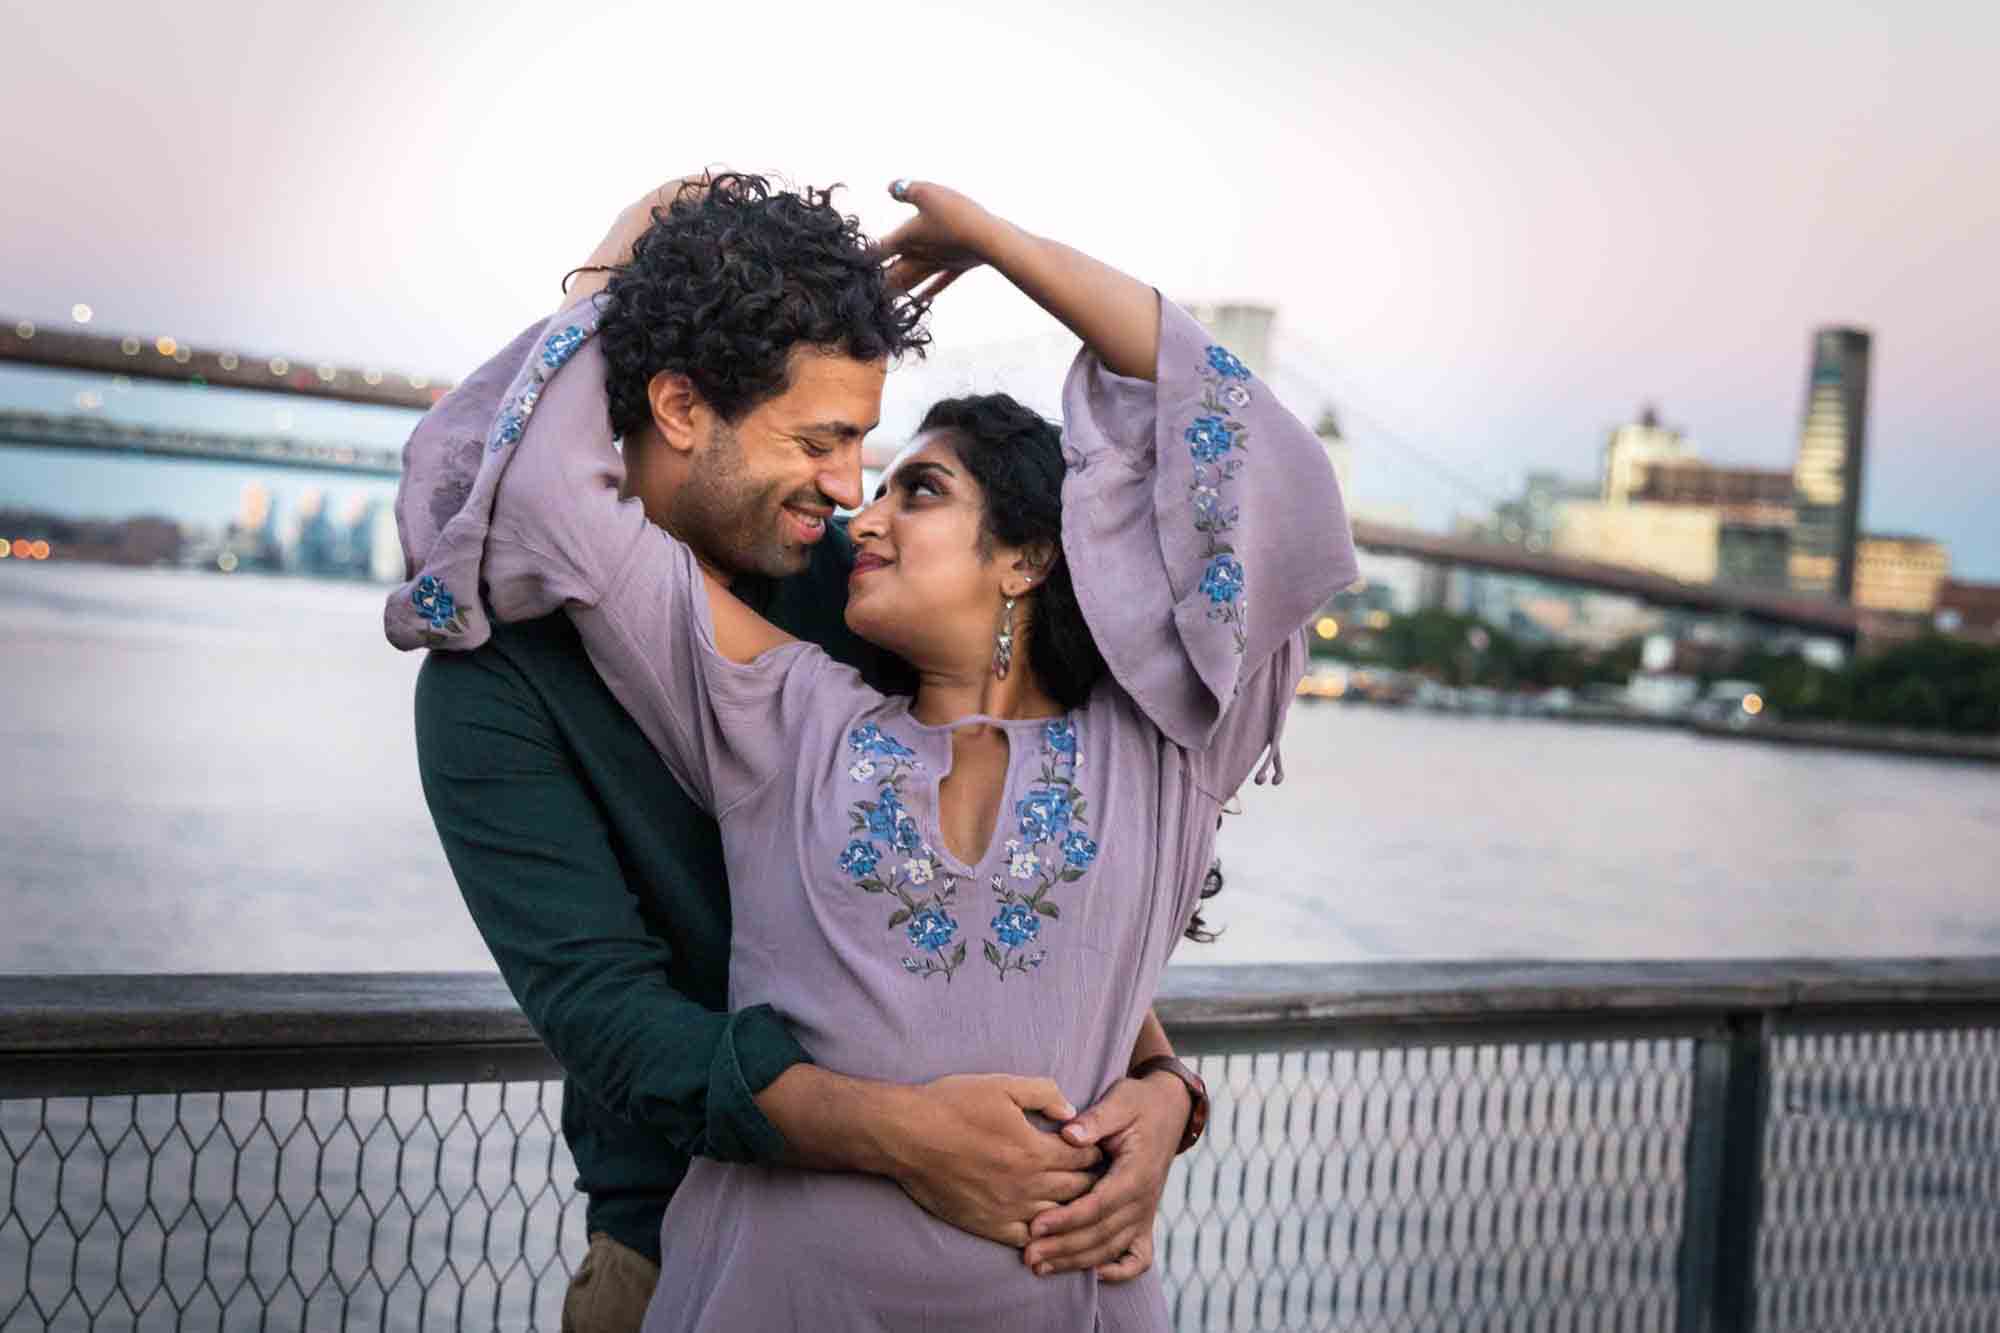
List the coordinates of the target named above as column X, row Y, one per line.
column 1197, row 1120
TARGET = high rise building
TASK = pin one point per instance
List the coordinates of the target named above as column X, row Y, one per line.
column 1900, row 573
column 1826, row 480
column 1633, row 448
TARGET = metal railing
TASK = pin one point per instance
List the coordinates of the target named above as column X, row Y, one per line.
column 1768, row 1145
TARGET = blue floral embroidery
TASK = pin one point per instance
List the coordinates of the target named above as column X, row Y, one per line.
column 924, row 891
column 559, row 347
column 1222, row 581
column 437, row 606
column 1017, row 924
column 860, row 858
column 1079, row 849
column 871, row 739
column 1212, row 439
column 886, row 854
column 512, row 423
column 1225, row 365
column 1044, row 813
column 932, row 929
column 1209, row 438
column 1053, row 848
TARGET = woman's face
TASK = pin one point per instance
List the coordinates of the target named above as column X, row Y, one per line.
column 924, row 585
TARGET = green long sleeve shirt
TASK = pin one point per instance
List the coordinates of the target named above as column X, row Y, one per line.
column 599, row 886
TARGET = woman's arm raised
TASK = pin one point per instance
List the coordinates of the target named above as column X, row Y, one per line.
column 1202, row 523
column 1118, row 317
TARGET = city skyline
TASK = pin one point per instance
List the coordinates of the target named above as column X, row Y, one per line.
column 1490, row 236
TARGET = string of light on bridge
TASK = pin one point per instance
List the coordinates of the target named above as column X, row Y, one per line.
column 174, row 359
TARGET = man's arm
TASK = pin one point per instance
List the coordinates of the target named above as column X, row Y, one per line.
column 534, row 860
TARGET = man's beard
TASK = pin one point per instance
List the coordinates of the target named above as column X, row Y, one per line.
column 730, row 520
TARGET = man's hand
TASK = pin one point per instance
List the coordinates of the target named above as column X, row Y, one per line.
column 1110, row 1229
column 968, row 1154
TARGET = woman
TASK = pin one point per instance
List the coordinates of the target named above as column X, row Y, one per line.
column 1105, row 627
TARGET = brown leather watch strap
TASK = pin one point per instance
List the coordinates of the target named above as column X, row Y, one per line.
column 1197, row 1120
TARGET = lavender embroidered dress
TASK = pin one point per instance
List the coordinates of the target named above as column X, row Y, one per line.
column 1203, row 526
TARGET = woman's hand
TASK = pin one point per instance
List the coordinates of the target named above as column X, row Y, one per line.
column 1118, row 317
column 949, row 235
column 1138, row 1124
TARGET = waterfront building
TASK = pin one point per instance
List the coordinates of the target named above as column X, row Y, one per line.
column 1634, row 447
column 157, row 451
column 1826, row 479
column 1745, row 495
column 1680, row 541
column 1753, row 508
column 316, row 549
column 1530, row 518
column 252, row 541
column 1753, row 555
column 1968, row 610
column 1901, row 574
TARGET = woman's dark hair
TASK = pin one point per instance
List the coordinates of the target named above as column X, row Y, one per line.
column 727, row 280
column 1016, row 457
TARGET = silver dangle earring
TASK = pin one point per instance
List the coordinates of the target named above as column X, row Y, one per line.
column 1003, row 642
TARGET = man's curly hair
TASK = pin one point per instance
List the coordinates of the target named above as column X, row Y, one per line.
column 727, row 280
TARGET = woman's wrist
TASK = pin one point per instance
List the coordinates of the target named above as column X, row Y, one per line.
column 1010, row 250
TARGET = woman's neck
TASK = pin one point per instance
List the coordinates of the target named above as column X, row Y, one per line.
column 947, row 696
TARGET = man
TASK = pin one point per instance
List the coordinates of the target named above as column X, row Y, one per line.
column 762, row 318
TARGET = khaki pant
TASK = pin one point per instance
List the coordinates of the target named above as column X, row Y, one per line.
column 609, row 1290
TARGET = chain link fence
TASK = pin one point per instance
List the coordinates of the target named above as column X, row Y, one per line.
column 1882, row 1183
column 335, row 1208
column 1482, row 1170
column 1422, row 1188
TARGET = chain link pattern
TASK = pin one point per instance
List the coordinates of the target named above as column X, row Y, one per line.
column 406, row 1208
column 1523, row 1185
column 1882, row 1183
column 1423, row 1188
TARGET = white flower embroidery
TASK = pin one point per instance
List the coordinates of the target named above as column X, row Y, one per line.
column 1023, row 864
column 920, row 872
column 1236, row 396
column 862, row 770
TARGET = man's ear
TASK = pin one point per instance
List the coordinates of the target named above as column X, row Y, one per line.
column 675, row 406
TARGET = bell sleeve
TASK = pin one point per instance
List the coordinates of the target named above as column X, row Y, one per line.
column 1203, row 527
column 558, row 536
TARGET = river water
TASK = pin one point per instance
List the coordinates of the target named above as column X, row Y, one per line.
column 217, row 773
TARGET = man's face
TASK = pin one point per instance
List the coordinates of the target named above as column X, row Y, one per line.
column 760, row 490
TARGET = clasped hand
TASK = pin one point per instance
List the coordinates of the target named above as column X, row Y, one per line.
column 979, row 1162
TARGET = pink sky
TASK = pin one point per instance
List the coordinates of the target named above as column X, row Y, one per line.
column 1493, row 234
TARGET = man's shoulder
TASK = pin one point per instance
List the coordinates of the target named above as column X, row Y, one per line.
column 521, row 664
